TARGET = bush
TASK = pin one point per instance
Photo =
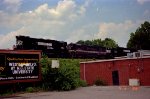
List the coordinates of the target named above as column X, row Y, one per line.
column 100, row 82
column 82, row 83
column 30, row 89
column 33, row 89
column 6, row 92
column 66, row 77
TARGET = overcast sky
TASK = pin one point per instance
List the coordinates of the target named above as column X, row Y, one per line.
column 71, row 20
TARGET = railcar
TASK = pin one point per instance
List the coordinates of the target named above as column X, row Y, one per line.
column 85, row 51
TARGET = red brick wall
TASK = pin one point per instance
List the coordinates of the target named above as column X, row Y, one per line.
column 127, row 69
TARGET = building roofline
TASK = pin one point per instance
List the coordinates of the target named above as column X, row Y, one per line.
column 111, row 60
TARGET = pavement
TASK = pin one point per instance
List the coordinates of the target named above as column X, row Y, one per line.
column 92, row 92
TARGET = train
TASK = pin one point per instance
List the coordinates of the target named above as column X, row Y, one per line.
column 60, row 49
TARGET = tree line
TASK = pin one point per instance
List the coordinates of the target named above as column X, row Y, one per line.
column 107, row 42
column 140, row 39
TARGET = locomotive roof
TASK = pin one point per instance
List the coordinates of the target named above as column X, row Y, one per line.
column 20, row 37
column 86, row 45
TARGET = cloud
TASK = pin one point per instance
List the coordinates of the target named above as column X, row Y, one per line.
column 12, row 5
column 77, row 35
column 9, row 21
column 61, row 22
column 142, row 1
column 53, row 23
column 64, row 9
column 146, row 12
column 7, row 41
column 85, row 32
column 120, row 32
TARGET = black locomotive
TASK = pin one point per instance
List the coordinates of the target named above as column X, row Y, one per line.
column 60, row 49
column 51, row 48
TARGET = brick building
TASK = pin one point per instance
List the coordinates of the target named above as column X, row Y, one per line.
column 117, row 71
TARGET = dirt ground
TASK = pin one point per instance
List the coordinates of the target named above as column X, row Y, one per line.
column 93, row 92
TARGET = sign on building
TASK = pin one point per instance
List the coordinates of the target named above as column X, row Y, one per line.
column 55, row 63
column 19, row 66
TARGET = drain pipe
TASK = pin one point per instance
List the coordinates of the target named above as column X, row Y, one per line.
column 84, row 75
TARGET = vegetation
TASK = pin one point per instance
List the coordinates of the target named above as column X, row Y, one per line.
column 107, row 42
column 64, row 78
column 141, row 38
column 82, row 83
column 30, row 89
column 100, row 82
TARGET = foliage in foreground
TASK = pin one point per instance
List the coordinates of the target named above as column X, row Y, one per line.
column 66, row 77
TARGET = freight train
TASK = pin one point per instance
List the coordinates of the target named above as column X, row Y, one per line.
column 60, row 49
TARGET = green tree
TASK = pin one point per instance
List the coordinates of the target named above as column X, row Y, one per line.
column 97, row 42
column 141, row 38
column 88, row 42
column 131, row 41
column 109, row 43
column 80, row 42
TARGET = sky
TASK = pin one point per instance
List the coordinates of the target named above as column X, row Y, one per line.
column 71, row 20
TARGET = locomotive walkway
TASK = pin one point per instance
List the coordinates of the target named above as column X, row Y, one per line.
column 93, row 92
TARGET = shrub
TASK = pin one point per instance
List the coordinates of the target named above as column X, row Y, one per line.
column 82, row 83
column 30, row 89
column 6, row 92
column 100, row 82
column 66, row 77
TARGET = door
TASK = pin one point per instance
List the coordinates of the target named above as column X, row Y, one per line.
column 115, row 77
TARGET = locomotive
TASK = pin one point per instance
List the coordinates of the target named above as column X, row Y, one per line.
column 60, row 49
column 51, row 48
